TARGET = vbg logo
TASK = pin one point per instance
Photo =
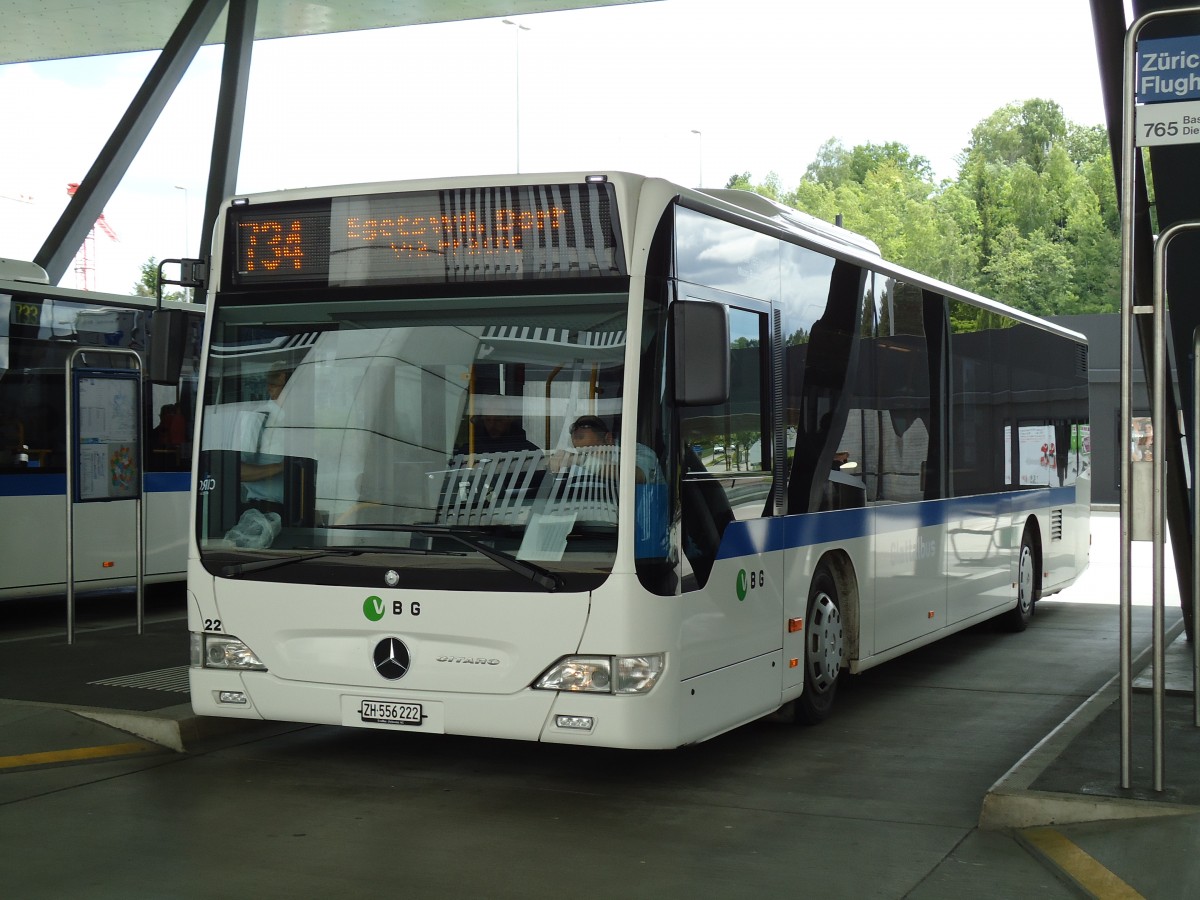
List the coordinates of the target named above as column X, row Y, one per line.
column 373, row 608
column 749, row 582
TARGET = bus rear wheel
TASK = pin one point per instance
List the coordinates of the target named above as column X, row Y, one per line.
column 1028, row 586
column 823, row 646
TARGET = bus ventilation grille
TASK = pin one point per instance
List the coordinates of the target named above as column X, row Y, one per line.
column 1056, row 524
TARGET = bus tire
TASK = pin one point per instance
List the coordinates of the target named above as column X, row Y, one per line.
column 1028, row 586
column 823, row 647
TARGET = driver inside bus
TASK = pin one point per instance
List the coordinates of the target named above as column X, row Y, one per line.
column 262, row 472
column 589, row 432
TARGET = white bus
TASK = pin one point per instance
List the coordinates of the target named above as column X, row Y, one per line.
column 598, row 459
column 40, row 327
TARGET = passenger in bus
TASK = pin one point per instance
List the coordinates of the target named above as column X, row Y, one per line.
column 170, row 432
column 15, row 450
column 496, row 428
column 261, row 471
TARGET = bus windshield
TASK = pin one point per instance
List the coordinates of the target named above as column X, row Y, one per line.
column 439, row 441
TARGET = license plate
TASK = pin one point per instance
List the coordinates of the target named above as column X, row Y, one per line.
column 388, row 712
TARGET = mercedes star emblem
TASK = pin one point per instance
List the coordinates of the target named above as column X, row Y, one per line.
column 391, row 658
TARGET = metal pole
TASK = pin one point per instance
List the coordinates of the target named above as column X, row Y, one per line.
column 1128, row 136
column 1157, row 416
column 1195, row 524
column 519, row 28
column 139, row 525
column 70, row 434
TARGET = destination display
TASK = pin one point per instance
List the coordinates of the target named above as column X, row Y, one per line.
column 462, row 235
column 1168, row 69
column 1168, row 91
column 24, row 315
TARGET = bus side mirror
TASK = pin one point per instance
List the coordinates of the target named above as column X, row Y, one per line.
column 168, row 340
column 700, row 332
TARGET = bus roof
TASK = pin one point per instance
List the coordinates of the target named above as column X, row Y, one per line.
column 749, row 208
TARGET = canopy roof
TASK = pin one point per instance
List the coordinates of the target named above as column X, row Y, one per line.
column 64, row 29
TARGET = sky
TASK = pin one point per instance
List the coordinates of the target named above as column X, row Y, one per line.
column 764, row 82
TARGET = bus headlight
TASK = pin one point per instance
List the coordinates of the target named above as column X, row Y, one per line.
column 221, row 651
column 603, row 674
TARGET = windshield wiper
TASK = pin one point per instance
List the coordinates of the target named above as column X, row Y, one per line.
column 543, row 578
column 235, row 570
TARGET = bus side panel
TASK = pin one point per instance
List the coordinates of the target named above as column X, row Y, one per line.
column 736, row 615
column 165, row 512
column 981, row 544
column 33, row 541
column 719, row 701
column 1066, row 535
column 730, row 636
column 910, row 563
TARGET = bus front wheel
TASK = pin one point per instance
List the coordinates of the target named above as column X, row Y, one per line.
column 823, row 645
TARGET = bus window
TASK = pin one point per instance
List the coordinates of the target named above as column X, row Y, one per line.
column 902, row 395
column 821, row 362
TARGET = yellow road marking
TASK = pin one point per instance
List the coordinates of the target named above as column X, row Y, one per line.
column 1083, row 868
column 56, row 756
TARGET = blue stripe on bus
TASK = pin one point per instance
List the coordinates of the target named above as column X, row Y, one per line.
column 40, row 485
column 752, row 536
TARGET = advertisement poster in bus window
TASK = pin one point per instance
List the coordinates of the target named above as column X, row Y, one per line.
column 106, row 427
column 1008, row 454
column 1037, row 455
column 1141, row 432
column 1081, row 450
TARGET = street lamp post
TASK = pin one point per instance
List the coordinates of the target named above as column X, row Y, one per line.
column 700, row 155
column 519, row 28
column 187, row 242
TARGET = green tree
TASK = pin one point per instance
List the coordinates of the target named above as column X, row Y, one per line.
column 1033, row 273
column 1019, row 132
column 147, row 284
column 835, row 165
column 772, row 185
column 1031, row 219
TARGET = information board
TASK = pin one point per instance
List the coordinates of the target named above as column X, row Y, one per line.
column 107, row 435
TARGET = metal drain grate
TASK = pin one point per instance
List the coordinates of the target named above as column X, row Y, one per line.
column 174, row 679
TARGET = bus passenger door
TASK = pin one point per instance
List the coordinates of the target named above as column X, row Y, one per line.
column 734, row 581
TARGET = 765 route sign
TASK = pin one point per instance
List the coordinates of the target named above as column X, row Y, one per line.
column 1168, row 123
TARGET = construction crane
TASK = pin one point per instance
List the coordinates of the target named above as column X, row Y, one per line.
column 84, row 265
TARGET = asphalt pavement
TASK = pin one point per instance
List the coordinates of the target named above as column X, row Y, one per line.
column 118, row 695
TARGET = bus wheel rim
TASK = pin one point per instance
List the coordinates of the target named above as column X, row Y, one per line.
column 1025, row 579
column 824, row 657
